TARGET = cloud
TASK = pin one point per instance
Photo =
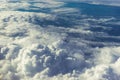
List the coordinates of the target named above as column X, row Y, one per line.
column 27, row 5
column 34, row 46
column 65, row 10
column 12, row 6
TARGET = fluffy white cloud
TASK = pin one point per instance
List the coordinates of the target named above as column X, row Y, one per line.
column 26, row 5
column 32, row 50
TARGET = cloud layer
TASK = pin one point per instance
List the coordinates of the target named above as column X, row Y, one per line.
column 49, row 40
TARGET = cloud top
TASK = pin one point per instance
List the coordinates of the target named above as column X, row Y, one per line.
column 61, row 44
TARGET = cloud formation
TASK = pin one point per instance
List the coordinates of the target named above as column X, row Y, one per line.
column 60, row 45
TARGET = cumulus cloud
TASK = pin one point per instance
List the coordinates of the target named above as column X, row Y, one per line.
column 12, row 6
column 35, row 46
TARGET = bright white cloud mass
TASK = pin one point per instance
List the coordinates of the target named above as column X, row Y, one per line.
column 57, row 40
